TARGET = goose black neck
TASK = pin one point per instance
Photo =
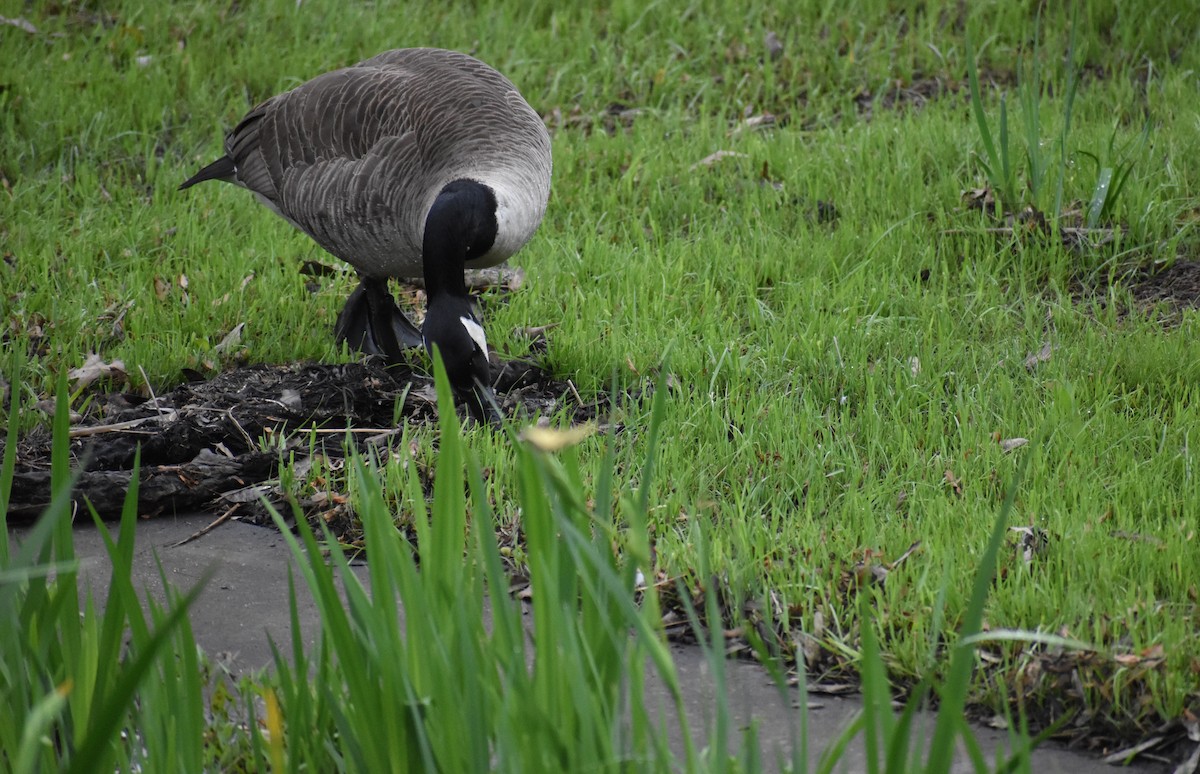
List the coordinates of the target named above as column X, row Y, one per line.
column 461, row 225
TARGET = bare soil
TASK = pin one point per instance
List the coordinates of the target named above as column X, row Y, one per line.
column 212, row 444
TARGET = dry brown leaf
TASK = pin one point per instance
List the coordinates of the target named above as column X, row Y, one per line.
column 93, row 369
column 1192, row 723
column 1149, row 657
column 954, row 481
column 161, row 288
column 1039, row 357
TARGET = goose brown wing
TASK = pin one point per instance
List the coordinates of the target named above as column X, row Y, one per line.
column 354, row 156
column 336, row 117
column 332, row 155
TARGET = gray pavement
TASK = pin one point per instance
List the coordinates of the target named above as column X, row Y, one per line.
column 246, row 601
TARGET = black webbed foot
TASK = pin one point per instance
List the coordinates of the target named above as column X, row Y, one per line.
column 371, row 322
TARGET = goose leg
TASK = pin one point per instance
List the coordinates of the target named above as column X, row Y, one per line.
column 372, row 323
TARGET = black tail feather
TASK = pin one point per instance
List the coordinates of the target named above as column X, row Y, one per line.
column 221, row 169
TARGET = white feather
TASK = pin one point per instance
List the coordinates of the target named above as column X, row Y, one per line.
column 475, row 331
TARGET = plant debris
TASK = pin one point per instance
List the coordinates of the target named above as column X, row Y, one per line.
column 204, row 440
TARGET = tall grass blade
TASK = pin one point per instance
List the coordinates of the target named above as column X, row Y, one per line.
column 1069, row 99
column 962, row 660
column 1031, row 97
column 877, row 699
column 112, row 711
column 994, row 166
column 37, row 728
column 9, row 461
column 1099, row 198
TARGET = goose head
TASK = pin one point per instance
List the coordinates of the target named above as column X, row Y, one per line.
column 461, row 225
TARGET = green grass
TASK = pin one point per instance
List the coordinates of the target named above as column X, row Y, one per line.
column 801, row 437
column 418, row 670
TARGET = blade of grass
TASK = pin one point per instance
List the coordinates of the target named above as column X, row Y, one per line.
column 962, row 660
column 1071, row 88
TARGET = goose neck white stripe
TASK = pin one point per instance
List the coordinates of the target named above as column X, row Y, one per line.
column 475, row 331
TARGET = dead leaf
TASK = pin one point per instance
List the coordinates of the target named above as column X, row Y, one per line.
column 914, row 365
column 1034, row 541
column 979, row 199
column 183, row 281
column 535, row 331
column 829, row 689
column 1008, row 444
column 1039, row 357
column 291, row 399
column 19, row 23
column 552, row 439
column 954, row 482
column 1137, row 537
column 720, row 155
column 773, row 45
column 1150, row 657
column 1192, row 724
column 93, row 369
column 760, row 121
column 232, row 340
column 161, row 288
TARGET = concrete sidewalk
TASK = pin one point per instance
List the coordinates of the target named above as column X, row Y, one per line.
column 246, row 601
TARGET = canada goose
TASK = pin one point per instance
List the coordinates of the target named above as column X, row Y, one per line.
column 416, row 162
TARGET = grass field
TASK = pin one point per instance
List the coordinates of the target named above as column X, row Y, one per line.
column 850, row 342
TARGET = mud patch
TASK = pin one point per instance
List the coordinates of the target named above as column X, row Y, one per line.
column 1177, row 285
column 205, row 440
column 1163, row 292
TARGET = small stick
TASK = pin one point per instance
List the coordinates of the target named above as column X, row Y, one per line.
column 575, row 392
column 80, row 432
column 224, row 517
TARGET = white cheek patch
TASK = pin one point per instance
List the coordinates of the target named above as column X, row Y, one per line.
column 475, row 331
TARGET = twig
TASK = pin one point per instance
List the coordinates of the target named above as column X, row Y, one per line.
column 333, row 430
column 575, row 392
column 149, row 388
column 911, row 550
column 116, row 427
column 224, row 517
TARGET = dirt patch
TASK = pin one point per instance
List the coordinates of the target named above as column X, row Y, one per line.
column 900, row 94
column 1163, row 292
column 1177, row 285
column 212, row 444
